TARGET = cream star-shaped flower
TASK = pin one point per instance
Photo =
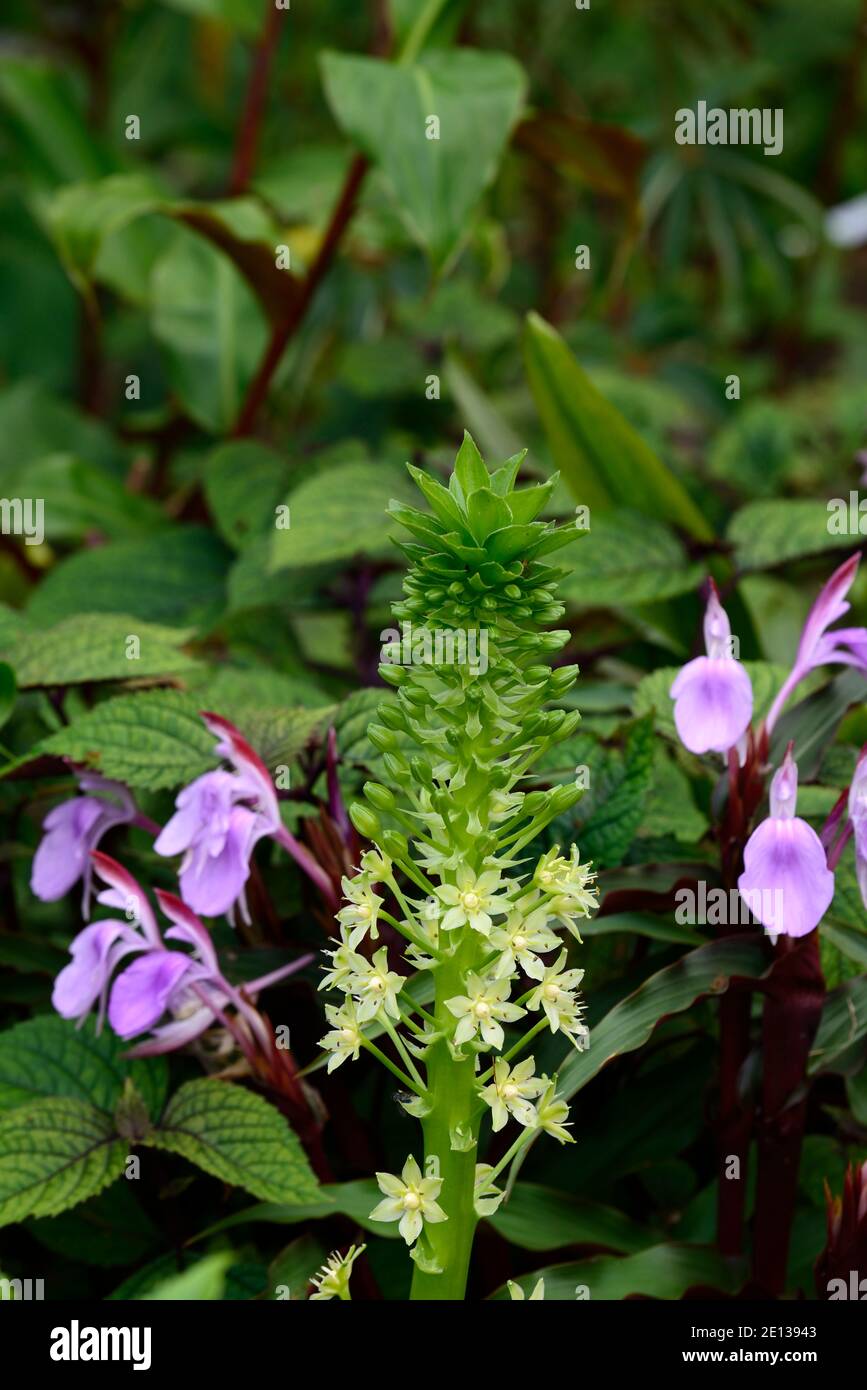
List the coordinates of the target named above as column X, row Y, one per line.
column 362, row 907
column 344, row 1039
column 482, row 1009
column 472, row 900
column 552, row 1114
column 409, row 1199
column 555, row 991
column 511, row 1092
column 332, row 1280
column 516, row 1293
column 521, row 940
column 374, row 986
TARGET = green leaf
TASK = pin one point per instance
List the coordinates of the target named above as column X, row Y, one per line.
column 606, row 463
column 81, row 216
column 385, row 109
column 80, row 498
column 279, row 735
column 49, row 1056
column 626, row 559
column 53, row 1154
column 244, row 482
column 203, row 1281
column 609, row 816
column 651, row 693
column 238, row 1137
column 640, row 924
column 769, row 533
column 109, row 1229
column 211, row 328
column 538, row 1218
column 340, row 513
column 707, row 970
column 664, row 1271
column 50, row 121
column 812, row 724
column 843, row 1024
column 149, row 740
column 8, row 692
column 669, row 808
column 354, row 1199
column 175, row 577
column 93, row 647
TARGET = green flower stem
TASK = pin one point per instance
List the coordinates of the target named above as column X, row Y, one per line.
column 453, row 1085
column 523, row 1138
column 410, row 936
column 387, row 1062
column 405, row 1057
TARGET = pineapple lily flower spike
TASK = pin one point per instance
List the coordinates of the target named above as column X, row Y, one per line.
column 449, row 833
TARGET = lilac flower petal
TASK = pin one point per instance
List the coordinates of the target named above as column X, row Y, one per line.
column 125, row 894
column 141, row 994
column 80, row 984
column 248, row 764
column 786, row 881
column 170, row 1036
column 211, row 883
column 204, row 808
column 713, row 704
column 188, row 928
column 62, row 856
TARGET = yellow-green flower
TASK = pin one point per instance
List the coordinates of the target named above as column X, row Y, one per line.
column 332, row 1280
column 409, row 1199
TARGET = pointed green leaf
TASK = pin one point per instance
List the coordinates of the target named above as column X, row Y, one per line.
column 53, row 1154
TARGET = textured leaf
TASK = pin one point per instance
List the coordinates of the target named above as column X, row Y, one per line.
column 664, row 1271
column 606, row 463
column 669, row 808
column 609, row 816
column 80, row 499
column 626, row 559
column 93, row 647
column 49, row 1056
column 53, row 1154
column 768, row 533
column 149, row 740
column 244, row 482
column 843, row 1024
column 384, row 108
column 175, row 577
column 340, row 513
column 238, row 1137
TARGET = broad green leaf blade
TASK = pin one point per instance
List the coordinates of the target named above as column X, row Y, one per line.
column 626, row 559
column 8, row 691
column 665, row 1271
column 238, row 1137
column 604, row 460
column 49, row 1056
column 390, row 112
column 707, row 970
column 339, row 513
column 53, row 1154
column 150, row 740
column 174, row 576
column 354, row 1199
column 842, row 1026
column 205, row 1280
column 244, row 483
column 641, row 924
column 608, row 818
column 769, row 533
column 96, row 647
column 538, row 1218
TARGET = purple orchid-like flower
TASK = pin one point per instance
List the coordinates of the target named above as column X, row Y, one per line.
column 713, row 696
column 185, row 985
column 220, row 817
column 857, row 823
column 74, row 828
column 846, row 646
column 786, row 882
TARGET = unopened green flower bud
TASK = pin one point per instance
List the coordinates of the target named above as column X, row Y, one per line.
column 562, row 680
column 570, row 723
column 379, row 796
column 534, row 802
column 382, row 738
column 365, row 821
column 393, row 675
column 396, row 766
column 421, row 771
column 565, row 797
column 392, row 716
column 395, row 845
column 553, row 641
column 416, row 695
column 534, row 675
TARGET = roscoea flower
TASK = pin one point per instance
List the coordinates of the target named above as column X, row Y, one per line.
column 74, row 828
column 786, row 882
column 847, row 646
column 186, row 985
column 220, row 817
column 409, row 1199
column 713, row 696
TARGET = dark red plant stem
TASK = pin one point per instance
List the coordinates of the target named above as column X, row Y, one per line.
column 795, row 993
column 247, row 143
column 736, row 1114
column 340, row 218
